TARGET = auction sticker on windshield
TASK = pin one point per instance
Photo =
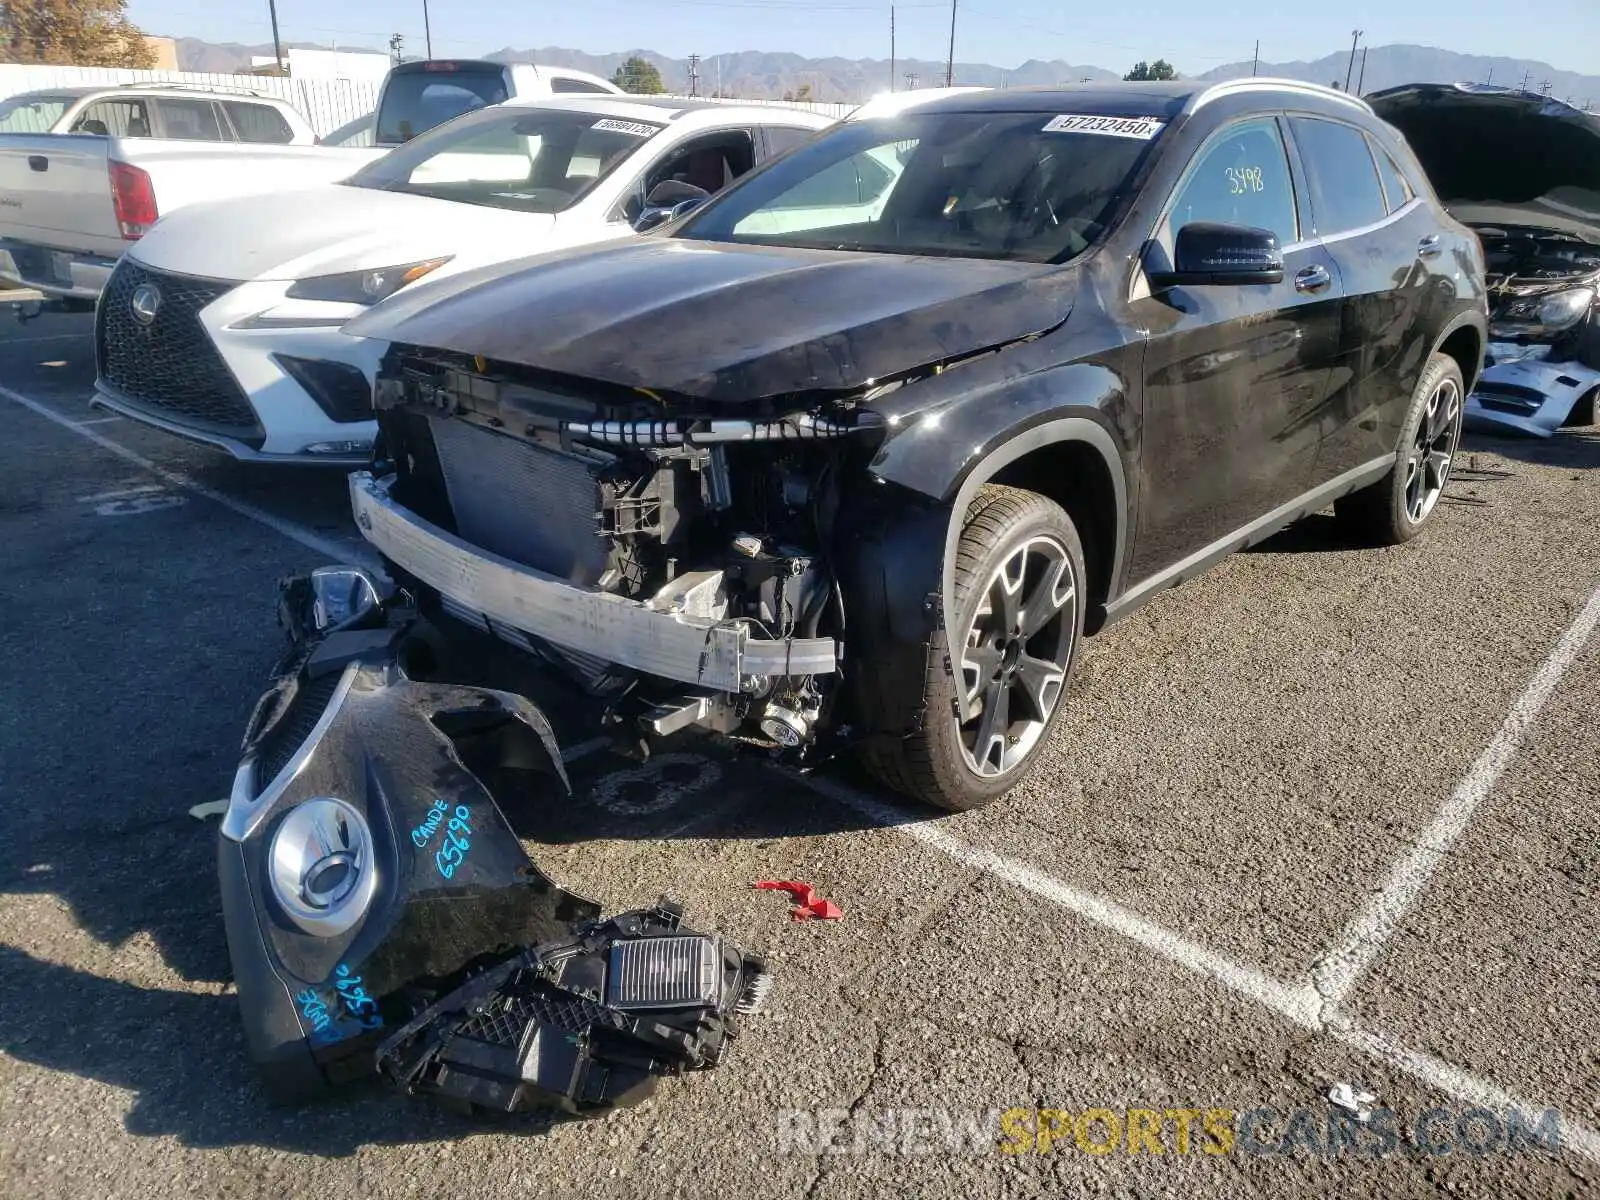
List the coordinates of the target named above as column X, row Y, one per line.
column 613, row 125
column 1143, row 128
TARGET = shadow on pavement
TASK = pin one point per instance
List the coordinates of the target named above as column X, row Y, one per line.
column 1573, row 448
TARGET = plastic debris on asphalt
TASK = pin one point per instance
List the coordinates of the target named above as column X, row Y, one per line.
column 1347, row 1097
column 211, row 808
column 808, row 905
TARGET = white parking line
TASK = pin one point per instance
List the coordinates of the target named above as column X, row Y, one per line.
column 289, row 529
column 1338, row 971
column 1299, row 1004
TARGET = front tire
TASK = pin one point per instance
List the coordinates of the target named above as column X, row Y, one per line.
column 1018, row 619
column 1394, row 509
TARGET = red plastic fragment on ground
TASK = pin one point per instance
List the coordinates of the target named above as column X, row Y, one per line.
column 808, row 905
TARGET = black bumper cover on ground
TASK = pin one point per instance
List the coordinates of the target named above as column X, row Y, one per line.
column 469, row 974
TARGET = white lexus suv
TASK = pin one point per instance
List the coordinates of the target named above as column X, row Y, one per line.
column 222, row 324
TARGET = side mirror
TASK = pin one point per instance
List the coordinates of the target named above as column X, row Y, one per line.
column 1210, row 253
column 670, row 192
column 660, row 215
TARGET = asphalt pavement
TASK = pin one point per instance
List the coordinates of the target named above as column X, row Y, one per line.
column 1325, row 816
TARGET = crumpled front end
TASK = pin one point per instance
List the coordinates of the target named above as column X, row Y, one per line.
column 372, row 883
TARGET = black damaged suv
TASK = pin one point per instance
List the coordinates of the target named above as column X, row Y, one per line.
column 855, row 453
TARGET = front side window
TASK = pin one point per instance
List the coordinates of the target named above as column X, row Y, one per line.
column 260, row 124
column 528, row 161
column 189, row 120
column 116, row 118
column 1344, row 180
column 417, row 101
column 1037, row 186
column 33, row 114
column 1240, row 177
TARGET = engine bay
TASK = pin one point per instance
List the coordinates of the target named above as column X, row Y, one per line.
column 680, row 509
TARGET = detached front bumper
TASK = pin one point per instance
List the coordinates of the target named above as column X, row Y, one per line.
column 382, row 915
column 661, row 642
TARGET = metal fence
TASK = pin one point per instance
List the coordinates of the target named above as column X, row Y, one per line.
column 325, row 103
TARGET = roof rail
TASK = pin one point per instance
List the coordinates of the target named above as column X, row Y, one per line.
column 156, row 85
column 1263, row 83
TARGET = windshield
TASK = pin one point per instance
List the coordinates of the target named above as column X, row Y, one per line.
column 540, row 161
column 414, row 102
column 32, row 114
column 1039, row 187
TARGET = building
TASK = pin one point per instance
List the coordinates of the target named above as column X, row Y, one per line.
column 166, row 51
column 361, row 66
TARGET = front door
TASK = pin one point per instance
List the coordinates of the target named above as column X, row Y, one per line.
column 1232, row 373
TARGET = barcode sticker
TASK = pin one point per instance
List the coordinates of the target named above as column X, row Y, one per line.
column 1143, row 128
column 637, row 128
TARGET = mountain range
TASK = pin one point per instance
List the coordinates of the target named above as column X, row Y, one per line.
column 769, row 75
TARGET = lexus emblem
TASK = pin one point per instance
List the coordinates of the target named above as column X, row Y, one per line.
column 145, row 303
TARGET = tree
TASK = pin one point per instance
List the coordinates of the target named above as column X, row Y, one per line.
column 801, row 94
column 1160, row 69
column 79, row 33
column 640, row 77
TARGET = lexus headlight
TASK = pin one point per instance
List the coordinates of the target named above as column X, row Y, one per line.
column 363, row 287
column 1565, row 308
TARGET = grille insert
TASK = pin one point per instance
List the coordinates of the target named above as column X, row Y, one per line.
column 170, row 366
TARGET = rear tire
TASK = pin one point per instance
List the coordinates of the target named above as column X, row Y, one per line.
column 1017, row 619
column 1395, row 509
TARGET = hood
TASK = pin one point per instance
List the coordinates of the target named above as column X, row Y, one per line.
column 727, row 322
column 1499, row 156
column 323, row 230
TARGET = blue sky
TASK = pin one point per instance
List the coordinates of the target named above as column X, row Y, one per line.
column 1195, row 36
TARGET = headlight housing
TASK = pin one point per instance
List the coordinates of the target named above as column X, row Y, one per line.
column 321, row 866
column 1565, row 309
column 363, row 287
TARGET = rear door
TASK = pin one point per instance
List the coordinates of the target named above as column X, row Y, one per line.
column 1232, row 373
column 1377, row 233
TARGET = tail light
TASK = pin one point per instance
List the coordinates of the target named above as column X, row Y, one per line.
column 133, row 195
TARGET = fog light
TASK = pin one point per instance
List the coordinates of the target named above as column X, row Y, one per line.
column 321, row 867
column 340, row 595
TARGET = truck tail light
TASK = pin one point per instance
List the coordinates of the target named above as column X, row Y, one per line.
column 133, row 195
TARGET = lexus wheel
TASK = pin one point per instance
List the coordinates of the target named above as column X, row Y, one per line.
column 1394, row 509
column 1018, row 609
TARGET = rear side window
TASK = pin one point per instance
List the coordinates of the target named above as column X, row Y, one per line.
column 559, row 84
column 189, row 120
column 782, row 138
column 416, row 101
column 1395, row 188
column 1241, row 177
column 1345, row 191
column 116, row 118
column 258, row 123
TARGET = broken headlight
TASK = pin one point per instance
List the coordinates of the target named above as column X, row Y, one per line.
column 1549, row 314
column 1565, row 308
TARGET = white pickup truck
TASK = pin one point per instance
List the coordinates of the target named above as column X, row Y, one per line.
column 85, row 172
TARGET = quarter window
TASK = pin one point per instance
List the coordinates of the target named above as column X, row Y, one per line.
column 1345, row 190
column 1395, row 187
column 1240, row 178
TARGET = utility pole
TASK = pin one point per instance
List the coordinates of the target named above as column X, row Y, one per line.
column 1490, row 78
column 891, row 47
column 1544, row 88
column 1360, row 78
column 396, row 42
column 912, row 79
column 1256, row 61
column 950, row 63
column 427, row 30
column 1523, row 86
column 1355, row 36
column 277, row 46
column 694, row 74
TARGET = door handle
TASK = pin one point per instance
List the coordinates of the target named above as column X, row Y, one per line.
column 1312, row 279
column 1429, row 246
column 38, row 162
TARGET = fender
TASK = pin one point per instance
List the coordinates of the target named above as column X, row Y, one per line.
column 1467, row 318
column 938, row 456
